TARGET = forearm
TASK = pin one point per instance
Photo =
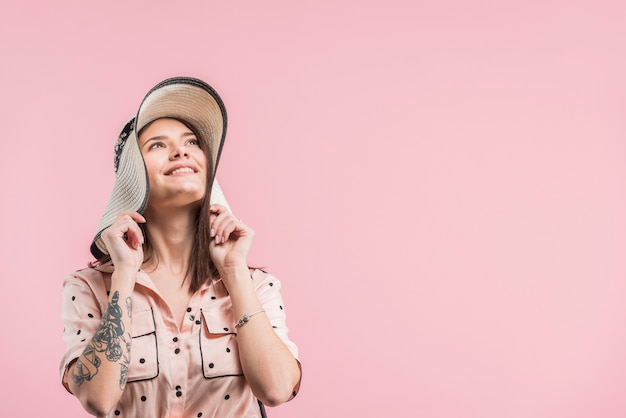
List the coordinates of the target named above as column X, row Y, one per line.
column 269, row 366
column 98, row 376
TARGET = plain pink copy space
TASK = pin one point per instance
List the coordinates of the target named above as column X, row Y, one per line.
column 439, row 185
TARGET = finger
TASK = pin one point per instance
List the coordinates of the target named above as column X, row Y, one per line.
column 236, row 229
column 134, row 236
column 137, row 217
column 215, row 211
column 219, row 216
column 223, row 226
column 212, row 220
column 217, row 208
column 126, row 227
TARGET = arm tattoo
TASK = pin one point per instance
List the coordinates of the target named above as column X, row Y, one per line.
column 108, row 339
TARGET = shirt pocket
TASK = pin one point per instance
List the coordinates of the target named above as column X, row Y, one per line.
column 218, row 345
column 144, row 362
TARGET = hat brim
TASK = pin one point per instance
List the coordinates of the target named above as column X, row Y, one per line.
column 189, row 100
column 192, row 101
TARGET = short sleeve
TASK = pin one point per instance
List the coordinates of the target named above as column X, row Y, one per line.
column 80, row 313
column 268, row 290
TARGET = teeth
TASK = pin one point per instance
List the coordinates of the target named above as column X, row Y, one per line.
column 182, row 170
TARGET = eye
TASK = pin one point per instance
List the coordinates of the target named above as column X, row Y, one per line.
column 193, row 141
column 155, row 145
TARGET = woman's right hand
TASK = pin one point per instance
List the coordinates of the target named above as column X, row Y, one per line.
column 124, row 241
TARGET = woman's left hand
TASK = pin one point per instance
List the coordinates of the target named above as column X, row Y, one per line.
column 231, row 239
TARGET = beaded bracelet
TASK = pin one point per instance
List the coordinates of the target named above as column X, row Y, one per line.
column 242, row 321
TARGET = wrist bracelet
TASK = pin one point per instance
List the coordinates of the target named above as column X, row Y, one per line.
column 242, row 321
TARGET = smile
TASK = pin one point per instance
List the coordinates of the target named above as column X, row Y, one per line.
column 181, row 170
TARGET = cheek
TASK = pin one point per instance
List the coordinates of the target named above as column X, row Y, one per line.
column 151, row 169
column 201, row 157
column 201, row 160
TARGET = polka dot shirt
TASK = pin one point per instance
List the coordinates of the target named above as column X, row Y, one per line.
column 189, row 372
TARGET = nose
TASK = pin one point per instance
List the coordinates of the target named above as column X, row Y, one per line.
column 179, row 151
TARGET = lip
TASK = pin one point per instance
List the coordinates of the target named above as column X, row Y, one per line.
column 170, row 171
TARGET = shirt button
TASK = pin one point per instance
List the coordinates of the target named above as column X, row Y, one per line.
column 175, row 339
column 178, row 387
column 189, row 309
column 179, row 394
column 142, row 360
column 177, row 351
column 191, row 317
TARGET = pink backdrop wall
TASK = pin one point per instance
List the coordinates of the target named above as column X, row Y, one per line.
column 441, row 186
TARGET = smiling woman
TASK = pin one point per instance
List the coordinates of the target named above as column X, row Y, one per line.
column 170, row 320
column 175, row 162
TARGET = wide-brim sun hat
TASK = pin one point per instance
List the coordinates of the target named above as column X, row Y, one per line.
column 190, row 100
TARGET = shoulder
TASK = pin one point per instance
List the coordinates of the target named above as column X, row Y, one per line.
column 95, row 279
column 265, row 283
column 262, row 276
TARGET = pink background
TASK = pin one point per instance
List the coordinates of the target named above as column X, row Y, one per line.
column 440, row 185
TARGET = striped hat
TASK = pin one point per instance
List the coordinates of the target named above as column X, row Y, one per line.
column 189, row 100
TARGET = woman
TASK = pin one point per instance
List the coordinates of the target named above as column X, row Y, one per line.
column 171, row 322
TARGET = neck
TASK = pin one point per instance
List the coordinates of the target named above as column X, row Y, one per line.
column 171, row 235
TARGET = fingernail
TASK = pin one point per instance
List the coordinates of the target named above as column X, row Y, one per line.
column 217, row 240
column 212, row 232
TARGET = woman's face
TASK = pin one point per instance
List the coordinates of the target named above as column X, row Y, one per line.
column 175, row 162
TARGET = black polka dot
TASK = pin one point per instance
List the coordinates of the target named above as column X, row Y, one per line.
column 177, row 387
column 73, row 297
column 281, row 307
column 225, row 329
column 90, row 315
column 213, row 298
column 142, row 360
column 175, row 339
column 143, row 399
column 274, row 326
column 188, row 309
column 177, row 351
column 271, row 284
column 117, row 412
column 227, row 397
column 227, row 350
column 179, row 394
column 191, row 317
column 198, row 322
column 199, row 414
column 78, row 332
column 211, row 365
column 83, row 340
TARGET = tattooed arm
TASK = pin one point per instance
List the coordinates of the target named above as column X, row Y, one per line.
column 98, row 376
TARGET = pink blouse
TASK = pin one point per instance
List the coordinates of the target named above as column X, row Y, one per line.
column 191, row 372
